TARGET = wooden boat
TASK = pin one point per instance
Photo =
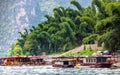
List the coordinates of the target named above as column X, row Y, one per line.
column 63, row 62
column 36, row 60
column 90, row 61
column 99, row 61
column 15, row 60
column 23, row 60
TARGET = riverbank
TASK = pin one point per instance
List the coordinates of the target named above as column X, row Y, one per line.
column 83, row 50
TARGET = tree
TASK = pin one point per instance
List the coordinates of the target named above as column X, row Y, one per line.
column 108, row 27
column 69, row 28
column 30, row 45
column 76, row 4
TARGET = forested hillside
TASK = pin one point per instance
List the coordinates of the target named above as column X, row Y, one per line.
column 69, row 28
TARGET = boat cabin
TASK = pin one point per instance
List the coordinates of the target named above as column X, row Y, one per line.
column 63, row 62
column 89, row 60
column 15, row 60
column 97, row 61
column 23, row 60
column 36, row 60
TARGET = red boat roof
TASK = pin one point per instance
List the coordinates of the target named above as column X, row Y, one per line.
column 14, row 57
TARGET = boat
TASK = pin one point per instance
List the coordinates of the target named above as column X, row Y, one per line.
column 63, row 62
column 15, row 60
column 99, row 61
column 36, row 60
column 104, row 61
column 22, row 60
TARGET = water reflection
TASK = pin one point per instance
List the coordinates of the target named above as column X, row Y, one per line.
column 48, row 70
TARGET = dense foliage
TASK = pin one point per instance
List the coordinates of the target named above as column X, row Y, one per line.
column 68, row 28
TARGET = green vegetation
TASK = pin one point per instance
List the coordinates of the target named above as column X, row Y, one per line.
column 87, row 52
column 68, row 28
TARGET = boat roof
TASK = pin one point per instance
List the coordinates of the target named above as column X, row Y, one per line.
column 18, row 57
column 102, row 56
column 14, row 57
column 66, row 57
column 34, row 57
column 62, row 60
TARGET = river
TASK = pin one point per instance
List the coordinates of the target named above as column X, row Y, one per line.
column 49, row 70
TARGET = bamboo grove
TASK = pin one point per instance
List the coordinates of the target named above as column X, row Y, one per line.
column 69, row 28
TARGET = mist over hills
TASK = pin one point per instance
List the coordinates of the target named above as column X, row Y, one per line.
column 16, row 15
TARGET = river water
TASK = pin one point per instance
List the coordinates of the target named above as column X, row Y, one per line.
column 49, row 70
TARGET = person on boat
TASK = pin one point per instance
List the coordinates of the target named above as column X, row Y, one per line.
column 77, row 63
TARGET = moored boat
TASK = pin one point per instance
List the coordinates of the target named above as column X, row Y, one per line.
column 22, row 60
column 63, row 62
column 90, row 61
column 99, row 61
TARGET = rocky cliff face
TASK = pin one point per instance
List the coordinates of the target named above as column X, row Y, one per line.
column 15, row 15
